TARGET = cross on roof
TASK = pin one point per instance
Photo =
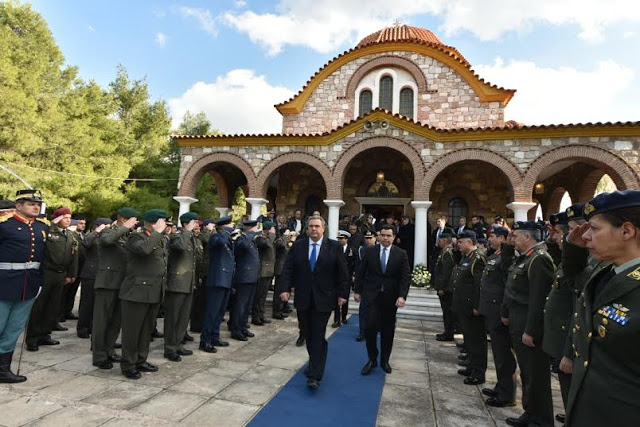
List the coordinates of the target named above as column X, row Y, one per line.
column 397, row 23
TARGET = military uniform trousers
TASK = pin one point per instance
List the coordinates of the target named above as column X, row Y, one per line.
column 381, row 317
column 475, row 338
column 85, row 312
column 44, row 314
column 13, row 316
column 503, row 358
column 107, row 318
column 138, row 320
column 446, row 301
column 198, row 307
column 260, row 298
column 217, row 300
column 176, row 319
column 245, row 293
column 276, row 303
column 534, row 372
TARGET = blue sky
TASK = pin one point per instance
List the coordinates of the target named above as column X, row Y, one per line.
column 571, row 61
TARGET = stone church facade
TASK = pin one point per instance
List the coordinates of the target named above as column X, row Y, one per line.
column 402, row 124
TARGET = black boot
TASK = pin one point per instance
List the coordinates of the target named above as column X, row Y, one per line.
column 6, row 376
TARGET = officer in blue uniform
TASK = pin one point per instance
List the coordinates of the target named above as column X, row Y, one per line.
column 245, row 279
column 218, row 285
column 22, row 247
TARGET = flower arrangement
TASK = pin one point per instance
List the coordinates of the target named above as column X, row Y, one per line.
column 420, row 277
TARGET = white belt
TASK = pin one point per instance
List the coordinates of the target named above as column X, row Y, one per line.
column 19, row 265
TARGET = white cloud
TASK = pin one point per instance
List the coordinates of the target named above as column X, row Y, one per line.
column 161, row 39
column 203, row 16
column 240, row 3
column 564, row 94
column 238, row 102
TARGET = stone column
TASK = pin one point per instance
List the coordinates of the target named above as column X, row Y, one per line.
column 520, row 209
column 185, row 204
column 256, row 205
column 223, row 211
column 333, row 221
column 421, row 238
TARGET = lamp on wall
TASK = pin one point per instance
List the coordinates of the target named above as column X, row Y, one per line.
column 539, row 188
column 380, row 176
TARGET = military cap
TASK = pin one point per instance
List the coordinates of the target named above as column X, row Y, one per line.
column 236, row 231
column 61, row 211
column 447, row 235
column 345, row 234
column 267, row 225
column 250, row 223
column 369, row 234
column 222, row 221
column 482, row 241
column 526, row 225
column 606, row 202
column 499, row 231
column 560, row 218
column 102, row 221
column 207, row 222
column 468, row 234
column 575, row 211
column 154, row 215
column 29, row 196
column 7, row 204
column 185, row 218
column 128, row 213
column 499, row 218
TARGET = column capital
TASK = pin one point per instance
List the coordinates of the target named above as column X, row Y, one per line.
column 185, row 199
column 426, row 204
column 334, row 203
column 224, row 211
column 256, row 201
column 521, row 206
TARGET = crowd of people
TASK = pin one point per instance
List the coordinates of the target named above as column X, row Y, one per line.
column 553, row 297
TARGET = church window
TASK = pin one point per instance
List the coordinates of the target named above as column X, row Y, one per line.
column 386, row 93
column 366, row 100
column 457, row 208
column 406, row 102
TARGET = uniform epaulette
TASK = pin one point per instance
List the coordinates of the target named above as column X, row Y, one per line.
column 45, row 221
column 4, row 218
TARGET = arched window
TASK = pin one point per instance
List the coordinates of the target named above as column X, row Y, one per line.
column 406, row 102
column 386, row 93
column 457, row 208
column 366, row 99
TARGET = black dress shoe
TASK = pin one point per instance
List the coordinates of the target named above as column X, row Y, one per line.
column 336, row 324
column 117, row 345
column 184, row 352
column 116, row 358
column 312, row 383
column 360, row 337
column 489, row 392
column 385, row 367
column 239, row 337
column 463, row 363
column 265, row 320
column 62, row 319
column 463, row 356
column 444, row 337
column 257, row 322
column 522, row 421
column 208, row 348
column 499, row 403
column 220, row 343
column 71, row 316
column 60, row 328
column 300, row 342
column 84, row 335
column 248, row 334
column 561, row 418
column 105, row 364
column 48, row 341
column 147, row 367
column 345, row 320
column 464, row 372
column 278, row 316
column 471, row 380
column 132, row 374
column 32, row 347
column 368, row 367
column 174, row 357
column 187, row 337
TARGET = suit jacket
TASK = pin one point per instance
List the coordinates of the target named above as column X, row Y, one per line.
column 370, row 279
column 328, row 281
column 222, row 260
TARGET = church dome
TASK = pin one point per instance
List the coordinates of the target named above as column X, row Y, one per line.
column 401, row 33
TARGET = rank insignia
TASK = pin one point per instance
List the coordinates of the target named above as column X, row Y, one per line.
column 612, row 313
column 635, row 274
column 620, row 307
column 602, row 331
column 588, row 208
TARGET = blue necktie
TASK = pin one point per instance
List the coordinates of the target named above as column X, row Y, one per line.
column 314, row 256
column 383, row 260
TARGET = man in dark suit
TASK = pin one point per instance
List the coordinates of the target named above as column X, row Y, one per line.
column 383, row 278
column 317, row 268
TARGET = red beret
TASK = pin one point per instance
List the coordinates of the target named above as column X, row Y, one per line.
column 61, row 211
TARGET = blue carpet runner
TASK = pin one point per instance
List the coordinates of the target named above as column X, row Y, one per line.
column 344, row 398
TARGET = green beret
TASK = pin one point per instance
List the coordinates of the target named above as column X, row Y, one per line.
column 128, row 213
column 185, row 218
column 267, row 225
column 154, row 215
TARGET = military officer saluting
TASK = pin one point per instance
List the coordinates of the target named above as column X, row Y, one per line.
column 245, row 279
column 22, row 247
column 141, row 292
column 606, row 369
column 180, row 285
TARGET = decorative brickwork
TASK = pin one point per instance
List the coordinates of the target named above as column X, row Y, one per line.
column 187, row 186
column 294, row 157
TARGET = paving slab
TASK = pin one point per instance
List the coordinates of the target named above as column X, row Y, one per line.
column 252, row 393
column 268, row 375
column 73, row 417
column 408, row 378
column 203, row 384
column 391, row 414
column 472, row 406
column 229, row 368
column 225, row 414
column 124, row 395
column 171, row 405
column 25, row 409
column 78, row 388
column 453, row 419
column 42, row 378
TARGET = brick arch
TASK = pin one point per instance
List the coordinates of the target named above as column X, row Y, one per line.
column 588, row 186
column 200, row 166
column 403, row 148
column 621, row 173
column 385, row 61
column 466, row 154
column 293, row 157
column 222, row 187
column 553, row 203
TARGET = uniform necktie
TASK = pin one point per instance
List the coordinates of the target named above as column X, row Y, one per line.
column 314, row 256
column 383, row 260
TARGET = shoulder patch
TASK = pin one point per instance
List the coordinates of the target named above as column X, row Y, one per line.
column 44, row 221
column 4, row 218
column 635, row 274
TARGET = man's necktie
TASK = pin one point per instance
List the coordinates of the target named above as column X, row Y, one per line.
column 383, row 260
column 314, row 256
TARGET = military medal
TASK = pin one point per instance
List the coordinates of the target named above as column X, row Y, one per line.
column 602, row 331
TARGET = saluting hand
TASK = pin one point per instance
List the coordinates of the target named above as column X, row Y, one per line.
column 160, row 225
column 575, row 236
column 191, row 225
column 100, row 228
column 57, row 219
column 210, row 226
column 130, row 223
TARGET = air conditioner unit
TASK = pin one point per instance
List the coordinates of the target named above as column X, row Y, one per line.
column 368, row 125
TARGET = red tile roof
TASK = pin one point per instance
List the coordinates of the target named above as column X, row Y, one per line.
column 400, row 33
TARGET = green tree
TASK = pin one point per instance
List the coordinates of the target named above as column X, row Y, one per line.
column 195, row 124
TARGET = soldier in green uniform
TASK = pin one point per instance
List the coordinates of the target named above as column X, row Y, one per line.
column 529, row 282
column 266, row 248
column 181, row 282
column 107, row 314
column 60, row 269
column 466, row 279
column 442, row 283
column 141, row 292
column 606, row 369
